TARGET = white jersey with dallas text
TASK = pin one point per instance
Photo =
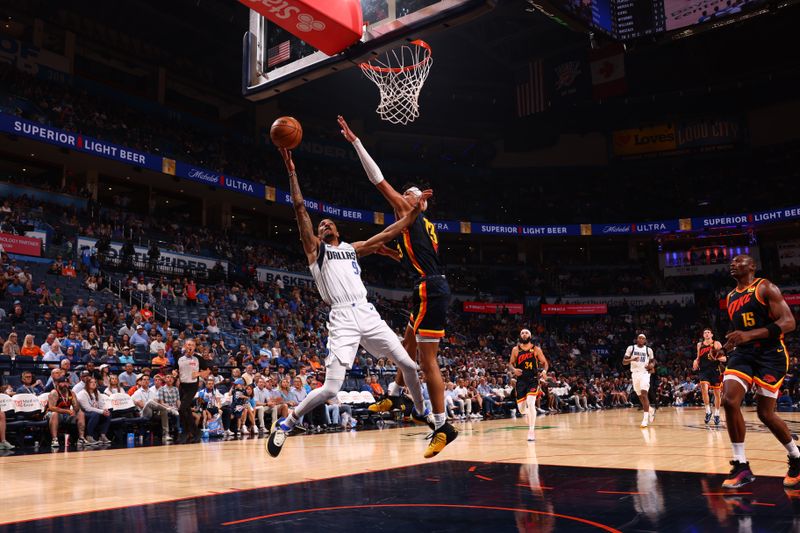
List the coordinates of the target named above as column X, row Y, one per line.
column 338, row 274
column 640, row 358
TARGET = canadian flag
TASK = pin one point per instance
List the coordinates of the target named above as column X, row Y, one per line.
column 608, row 71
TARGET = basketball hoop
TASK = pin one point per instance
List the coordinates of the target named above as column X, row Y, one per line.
column 399, row 75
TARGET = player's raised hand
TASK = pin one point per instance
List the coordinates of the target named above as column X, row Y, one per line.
column 287, row 159
column 347, row 133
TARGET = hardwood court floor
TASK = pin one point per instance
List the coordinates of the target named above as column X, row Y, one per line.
column 47, row 485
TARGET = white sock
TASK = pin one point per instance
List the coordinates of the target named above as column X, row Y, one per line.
column 439, row 419
column 531, row 403
column 792, row 449
column 394, row 389
column 738, row 452
column 645, row 417
column 290, row 421
column 708, row 409
column 716, row 412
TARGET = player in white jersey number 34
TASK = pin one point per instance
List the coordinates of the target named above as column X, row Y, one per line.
column 352, row 320
column 640, row 357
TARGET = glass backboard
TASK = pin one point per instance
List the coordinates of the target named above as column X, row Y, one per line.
column 275, row 60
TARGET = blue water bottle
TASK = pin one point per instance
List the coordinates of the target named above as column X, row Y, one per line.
column 131, row 440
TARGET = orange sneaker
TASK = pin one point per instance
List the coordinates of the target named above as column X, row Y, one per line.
column 792, row 479
column 740, row 475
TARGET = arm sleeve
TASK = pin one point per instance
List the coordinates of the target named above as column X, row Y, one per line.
column 370, row 167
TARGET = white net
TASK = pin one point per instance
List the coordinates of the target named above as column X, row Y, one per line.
column 399, row 75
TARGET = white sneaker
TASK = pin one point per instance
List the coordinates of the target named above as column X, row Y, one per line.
column 104, row 440
column 5, row 445
column 652, row 414
column 55, row 444
column 277, row 437
column 645, row 422
column 90, row 441
column 531, row 436
column 167, row 438
column 228, row 433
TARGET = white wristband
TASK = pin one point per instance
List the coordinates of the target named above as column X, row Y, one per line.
column 370, row 167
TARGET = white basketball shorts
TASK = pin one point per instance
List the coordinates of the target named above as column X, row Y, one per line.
column 351, row 325
column 640, row 381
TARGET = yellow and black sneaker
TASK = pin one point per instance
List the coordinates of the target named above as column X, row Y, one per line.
column 383, row 406
column 440, row 438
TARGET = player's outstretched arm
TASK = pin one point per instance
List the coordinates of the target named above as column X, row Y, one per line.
column 307, row 237
column 373, row 171
column 778, row 308
column 373, row 244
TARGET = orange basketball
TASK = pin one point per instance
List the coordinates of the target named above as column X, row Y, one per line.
column 286, row 132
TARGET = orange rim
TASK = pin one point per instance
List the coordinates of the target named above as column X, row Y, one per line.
column 396, row 70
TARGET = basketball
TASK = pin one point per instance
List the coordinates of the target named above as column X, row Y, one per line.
column 286, row 132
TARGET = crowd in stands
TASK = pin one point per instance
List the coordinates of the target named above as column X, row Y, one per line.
column 266, row 346
column 597, row 192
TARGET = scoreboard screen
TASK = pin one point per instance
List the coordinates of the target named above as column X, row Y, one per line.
column 631, row 19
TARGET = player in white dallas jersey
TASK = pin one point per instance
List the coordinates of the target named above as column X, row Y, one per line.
column 640, row 357
column 352, row 321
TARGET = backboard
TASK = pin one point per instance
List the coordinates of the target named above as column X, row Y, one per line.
column 275, row 60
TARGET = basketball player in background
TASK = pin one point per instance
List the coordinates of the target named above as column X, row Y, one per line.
column 757, row 357
column 418, row 251
column 709, row 362
column 528, row 364
column 640, row 357
column 352, row 320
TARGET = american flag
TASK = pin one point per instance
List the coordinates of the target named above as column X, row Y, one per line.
column 278, row 54
column 531, row 97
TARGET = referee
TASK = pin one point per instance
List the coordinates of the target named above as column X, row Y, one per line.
column 190, row 367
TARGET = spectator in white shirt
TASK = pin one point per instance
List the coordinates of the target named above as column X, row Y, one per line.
column 462, row 399
column 157, row 344
column 146, row 399
column 46, row 344
column 81, row 385
column 114, row 386
column 97, row 416
column 126, row 330
column 54, row 355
